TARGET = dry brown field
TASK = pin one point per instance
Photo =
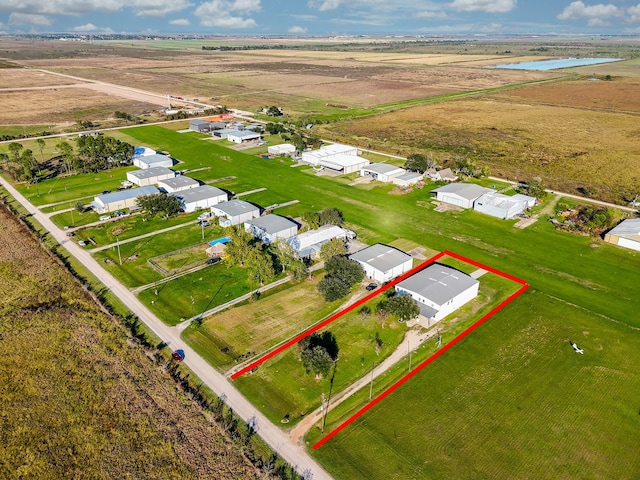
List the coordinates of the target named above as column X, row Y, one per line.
column 11, row 78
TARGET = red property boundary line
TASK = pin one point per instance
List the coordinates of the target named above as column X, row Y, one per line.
column 337, row 315
column 426, row 362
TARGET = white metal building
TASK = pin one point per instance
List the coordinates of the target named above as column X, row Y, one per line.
column 308, row 244
column 153, row 160
column 328, row 152
column 271, row 228
column 150, row 176
column 460, row 194
column 243, row 136
column 626, row 234
column 282, row 149
column 234, row 212
column 198, row 125
column 382, row 262
column 200, row 198
column 121, row 200
column 177, row 184
column 502, row 206
column 408, row 179
column 439, row 290
column 383, row 172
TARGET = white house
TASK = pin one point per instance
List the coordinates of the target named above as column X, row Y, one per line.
column 177, row 184
column 282, row 149
column 235, row 212
column 460, row 194
column 445, row 174
column 150, row 176
column 202, row 197
column 121, row 199
column 408, row 179
column 308, row 244
column 243, row 136
column 383, row 172
column 626, row 234
column 153, row 160
column 502, row 206
column 382, row 262
column 271, row 228
column 439, row 290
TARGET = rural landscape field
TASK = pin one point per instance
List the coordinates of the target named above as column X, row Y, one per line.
column 510, row 399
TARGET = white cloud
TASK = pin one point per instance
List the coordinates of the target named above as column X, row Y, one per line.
column 180, row 21
column 490, row 6
column 634, row 14
column 228, row 14
column 296, row 30
column 158, row 8
column 430, row 15
column 596, row 15
column 325, row 5
column 90, row 27
column 17, row 18
column 80, row 7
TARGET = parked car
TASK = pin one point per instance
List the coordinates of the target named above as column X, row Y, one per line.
column 104, row 217
column 371, row 286
column 82, row 243
column 204, row 223
column 104, row 192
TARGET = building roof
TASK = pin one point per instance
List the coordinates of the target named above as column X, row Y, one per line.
column 143, row 152
column 438, row 283
column 381, row 257
column 630, row 226
column 470, row 191
column 341, row 161
column 154, row 158
column 383, row 168
column 197, row 121
column 272, row 223
column 409, row 176
column 244, row 134
column 151, row 172
column 179, row 181
column 203, row 192
column 234, row 208
column 314, row 237
column 446, row 173
column 126, row 194
column 499, row 200
column 334, row 148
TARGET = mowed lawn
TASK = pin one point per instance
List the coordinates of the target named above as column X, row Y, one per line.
column 512, row 400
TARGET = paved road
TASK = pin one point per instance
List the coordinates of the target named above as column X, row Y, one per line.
column 271, row 434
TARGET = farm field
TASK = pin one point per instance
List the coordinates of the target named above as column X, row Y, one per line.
column 67, row 367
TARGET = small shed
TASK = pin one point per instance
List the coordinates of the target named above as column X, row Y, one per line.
column 383, row 172
column 153, row 160
column 177, row 184
column 461, row 194
column 408, row 179
column 271, row 228
column 382, row 262
column 626, row 234
column 150, row 176
column 200, row 198
column 121, row 199
column 235, row 212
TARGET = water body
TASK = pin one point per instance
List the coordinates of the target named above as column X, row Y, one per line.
column 556, row 63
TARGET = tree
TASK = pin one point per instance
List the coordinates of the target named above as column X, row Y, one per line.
column 535, row 188
column 403, row 307
column 318, row 352
column 333, row 288
column 41, row 145
column 14, row 150
column 298, row 270
column 66, row 152
column 311, row 219
column 283, row 252
column 275, row 128
column 416, row 162
column 157, row 203
column 274, row 111
column 330, row 216
column 332, row 248
column 260, row 266
column 345, row 269
column 239, row 247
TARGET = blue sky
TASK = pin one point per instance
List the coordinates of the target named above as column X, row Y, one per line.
column 321, row 17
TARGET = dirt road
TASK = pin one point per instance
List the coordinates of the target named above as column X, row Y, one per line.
column 271, row 434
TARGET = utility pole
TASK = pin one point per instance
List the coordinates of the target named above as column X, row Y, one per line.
column 202, row 225
column 118, row 245
column 73, row 223
column 371, row 384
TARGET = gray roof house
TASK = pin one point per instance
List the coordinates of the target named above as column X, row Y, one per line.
column 439, row 290
column 382, row 262
column 461, row 194
column 383, row 172
column 177, row 184
column 271, row 228
column 150, row 176
column 202, row 197
column 235, row 212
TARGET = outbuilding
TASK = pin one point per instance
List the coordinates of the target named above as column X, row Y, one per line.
column 328, row 152
column 408, row 179
column 235, row 212
column 461, row 194
column 121, row 199
column 153, row 160
column 626, row 234
column 308, row 244
column 271, row 228
column 502, row 206
column 382, row 262
column 382, row 172
column 282, row 149
column 198, row 125
column 200, row 198
column 150, row 176
column 177, row 184
column 439, row 290
column 243, row 136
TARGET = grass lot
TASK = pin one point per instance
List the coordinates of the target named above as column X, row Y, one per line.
column 182, row 258
column 512, row 400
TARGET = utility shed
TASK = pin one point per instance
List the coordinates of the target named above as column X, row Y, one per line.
column 502, row 206
column 460, row 194
column 408, row 179
column 200, row 198
column 439, row 290
column 282, row 149
column 307, row 244
column 121, row 199
column 382, row 262
column 177, row 184
column 626, row 234
column 150, row 176
column 383, row 172
column 197, row 125
column 235, row 212
column 271, row 228
column 153, row 160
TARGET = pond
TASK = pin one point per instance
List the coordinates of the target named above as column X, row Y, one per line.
column 556, row 63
